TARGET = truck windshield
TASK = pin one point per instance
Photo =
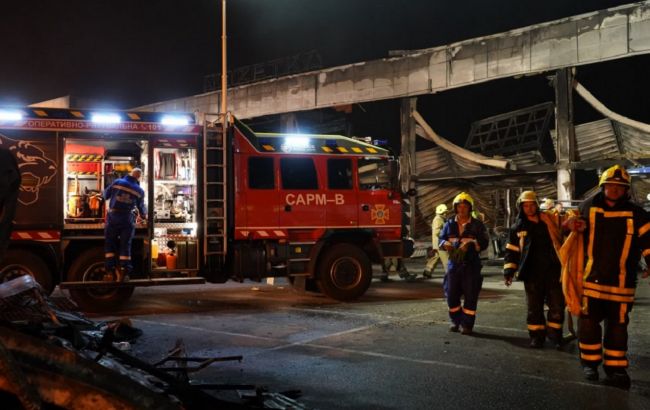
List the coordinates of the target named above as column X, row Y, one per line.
column 375, row 173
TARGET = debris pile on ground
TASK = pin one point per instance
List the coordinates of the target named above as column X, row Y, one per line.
column 52, row 355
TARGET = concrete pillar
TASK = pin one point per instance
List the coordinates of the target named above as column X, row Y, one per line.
column 566, row 139
column 407, row 157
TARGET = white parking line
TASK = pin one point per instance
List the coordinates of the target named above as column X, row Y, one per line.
column 309, row 343
column 338, row 312
column 345, row 332
column 448, row 364
column 201, row 329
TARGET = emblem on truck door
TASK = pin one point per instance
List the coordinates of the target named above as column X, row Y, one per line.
column 35, row 167
column 380, row 214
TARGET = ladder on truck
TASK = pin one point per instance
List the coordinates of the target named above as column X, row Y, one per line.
column 214, row 192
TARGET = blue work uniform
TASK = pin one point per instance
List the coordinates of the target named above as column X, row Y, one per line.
column 123, row 196
column 463, row 277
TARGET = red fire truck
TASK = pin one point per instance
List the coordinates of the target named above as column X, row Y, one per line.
column 223, row 203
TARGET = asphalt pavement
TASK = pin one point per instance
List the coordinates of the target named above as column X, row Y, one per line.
column 389, row 350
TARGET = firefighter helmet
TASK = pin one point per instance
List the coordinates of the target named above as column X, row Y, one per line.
column 527, row 196
column 463, row 197
column 548, row 204
column 615, row 175
column 441, row 209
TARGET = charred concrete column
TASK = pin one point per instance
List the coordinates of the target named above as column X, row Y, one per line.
column 566, row 139
column 407, row 156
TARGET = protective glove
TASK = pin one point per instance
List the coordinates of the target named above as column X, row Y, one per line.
column 575, row 224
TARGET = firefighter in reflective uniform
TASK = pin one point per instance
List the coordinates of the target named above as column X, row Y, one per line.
column 464, row 238
column 532, row 256
column 616, row 233
column 440, row 255
column 124, row 196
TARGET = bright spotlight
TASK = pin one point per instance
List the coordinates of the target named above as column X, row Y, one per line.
column 106, row 118
column 175, row 120
column 10, row 115
column 296, row 141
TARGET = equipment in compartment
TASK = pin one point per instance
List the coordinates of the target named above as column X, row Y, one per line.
column 117, row 167
column 175, row 184
column 175, row 164
column 83, row 180
column 182, row 248
column 173, row 203
column 91, row 166
column 174, row 243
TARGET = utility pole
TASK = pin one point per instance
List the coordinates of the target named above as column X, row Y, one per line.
column 224, row 64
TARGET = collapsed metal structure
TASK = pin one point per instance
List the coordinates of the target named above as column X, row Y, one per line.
column 524, row 138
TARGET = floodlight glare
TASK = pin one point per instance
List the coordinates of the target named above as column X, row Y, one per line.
column 175, row 120
column 106, row 118
column 10, row 115
column 296, row 141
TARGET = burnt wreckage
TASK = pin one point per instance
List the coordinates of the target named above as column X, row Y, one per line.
column 52, row 355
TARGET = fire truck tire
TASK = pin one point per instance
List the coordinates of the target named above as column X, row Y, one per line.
column 344, row 272
column 89, row 266
column 18, row 262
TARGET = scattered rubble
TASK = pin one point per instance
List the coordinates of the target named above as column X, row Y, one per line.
column 52, row 355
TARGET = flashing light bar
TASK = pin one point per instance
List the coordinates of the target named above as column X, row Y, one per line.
column 106, row 118
column 10, row 115
column 296, row 141
column 175, row 120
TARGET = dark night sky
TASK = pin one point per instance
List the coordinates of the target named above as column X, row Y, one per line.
column 125, row 53
column 132, row 52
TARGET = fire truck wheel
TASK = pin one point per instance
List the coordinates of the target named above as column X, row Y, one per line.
column 344, row 272
column 89, row 266
column 18, row 262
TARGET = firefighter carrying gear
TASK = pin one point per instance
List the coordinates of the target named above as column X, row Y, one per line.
column 463, row 278
column 614, row 239
column 123, row 196
column 572, row 259
column 532, row 255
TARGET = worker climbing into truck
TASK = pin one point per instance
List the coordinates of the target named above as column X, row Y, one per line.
column 124, row 196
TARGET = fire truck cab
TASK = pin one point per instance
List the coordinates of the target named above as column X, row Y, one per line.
column 222, row 203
